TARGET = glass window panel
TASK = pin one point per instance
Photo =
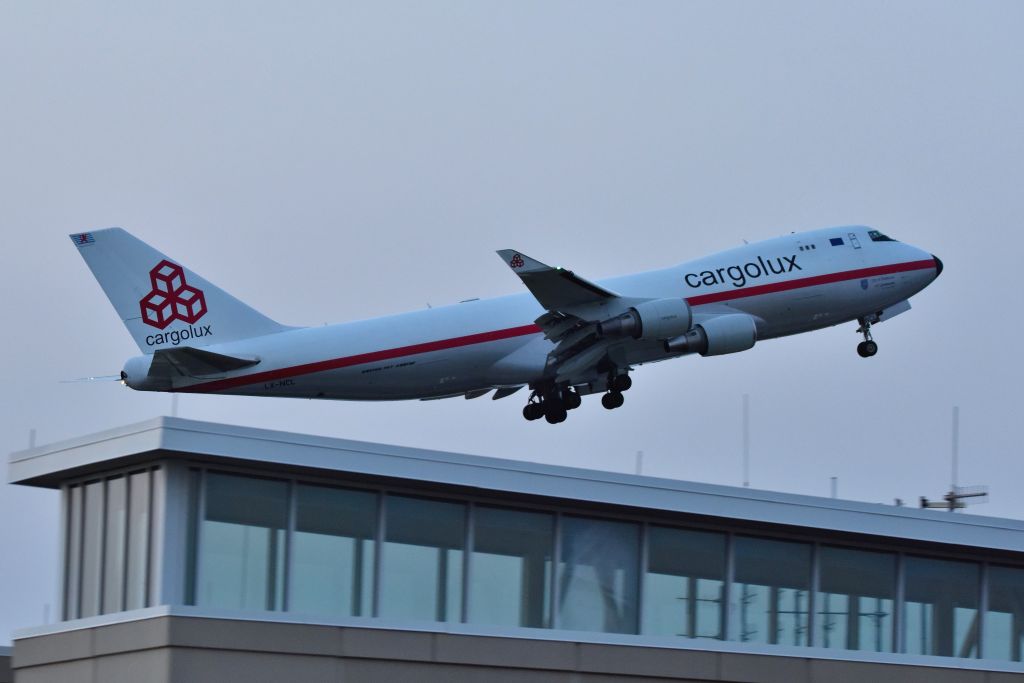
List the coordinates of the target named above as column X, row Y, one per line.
column 856, row 599
column 241, row 543
column 192, row 544
column 510, row 575
column 138, row 540
column 421, row 574
column 332, row 555
column 598, row 575
column 684, row 583
column 1004, row 621
column 72, row 560
column 157, row 488
column 92, row 549
column 769, row 600
column 941, row 608
column 113, row 545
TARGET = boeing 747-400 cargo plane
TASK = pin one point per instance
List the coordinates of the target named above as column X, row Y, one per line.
column 567, row 338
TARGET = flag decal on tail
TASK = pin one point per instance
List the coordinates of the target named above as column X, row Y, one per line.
column 82, row 239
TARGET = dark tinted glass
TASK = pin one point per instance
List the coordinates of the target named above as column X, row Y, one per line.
column 856, row 600
column 684, row 583
column 510, row 574
column 941, row 608
column 771, row 592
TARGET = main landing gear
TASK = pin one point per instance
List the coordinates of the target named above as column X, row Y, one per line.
column 616, row 385
column 554, row 403
column 868, row 347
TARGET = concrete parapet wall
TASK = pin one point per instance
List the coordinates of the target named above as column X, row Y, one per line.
column 168, row 649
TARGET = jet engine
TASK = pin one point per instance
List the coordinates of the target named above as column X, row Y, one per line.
column 650, row 321
column 717, row 336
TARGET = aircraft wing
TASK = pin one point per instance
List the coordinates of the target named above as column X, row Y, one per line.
column 554, row 288
column 578, row 346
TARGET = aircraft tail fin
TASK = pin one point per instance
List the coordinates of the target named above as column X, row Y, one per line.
column 162, row 303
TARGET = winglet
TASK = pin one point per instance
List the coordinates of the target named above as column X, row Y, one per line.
column 521, row 263
column 555, row 288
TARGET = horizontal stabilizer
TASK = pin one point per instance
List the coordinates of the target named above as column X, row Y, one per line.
column 98, row 378
column 193, row 362
column 555, row 288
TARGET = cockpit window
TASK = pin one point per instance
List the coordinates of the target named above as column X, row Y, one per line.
column 879, row 237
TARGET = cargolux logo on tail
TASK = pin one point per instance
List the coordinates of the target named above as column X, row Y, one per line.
column 171, row 298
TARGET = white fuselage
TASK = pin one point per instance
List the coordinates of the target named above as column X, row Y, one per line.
column 791, row 284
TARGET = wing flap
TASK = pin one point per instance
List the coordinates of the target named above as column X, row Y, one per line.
column 502, row 392
column 582, row 361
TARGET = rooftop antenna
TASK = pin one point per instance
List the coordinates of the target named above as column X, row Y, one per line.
column 746, row 440
column 956, row 498
column 639, row 462
column 32, row 438
column 835, row 486
column 956, row 445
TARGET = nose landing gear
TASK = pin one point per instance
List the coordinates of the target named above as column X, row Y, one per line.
column 868, row 347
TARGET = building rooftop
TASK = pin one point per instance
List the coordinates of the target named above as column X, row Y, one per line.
column 50, row 465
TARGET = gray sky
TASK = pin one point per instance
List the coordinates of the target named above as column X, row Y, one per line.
column 326, row 161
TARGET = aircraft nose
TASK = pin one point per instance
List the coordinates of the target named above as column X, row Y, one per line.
column 938, row 265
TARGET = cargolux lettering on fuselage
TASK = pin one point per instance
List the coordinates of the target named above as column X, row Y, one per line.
column 175, row 337
column 740, row 275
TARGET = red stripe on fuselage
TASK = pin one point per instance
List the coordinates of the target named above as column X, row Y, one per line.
column 509, row 333
column 800, row 283
column 372, row 357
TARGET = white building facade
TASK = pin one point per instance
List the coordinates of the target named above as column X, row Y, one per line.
column 234, row 530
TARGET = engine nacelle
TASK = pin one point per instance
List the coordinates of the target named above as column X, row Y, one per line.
column 717, row 336
column 136, row 375
column 650, row 321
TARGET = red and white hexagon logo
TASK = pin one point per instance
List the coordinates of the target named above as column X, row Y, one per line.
column 171, row 298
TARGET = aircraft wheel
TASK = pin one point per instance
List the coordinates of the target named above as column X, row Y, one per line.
column 612, row 400
column 572, row 400
column 533, row 411
column 555, row 413
column 621, row 383
column 866, row 349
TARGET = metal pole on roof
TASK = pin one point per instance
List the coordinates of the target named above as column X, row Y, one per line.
column 746, row 439
column 956, row 444
column 32, row 438
column 835, row 486
column 639, row 462
column 956, row 498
